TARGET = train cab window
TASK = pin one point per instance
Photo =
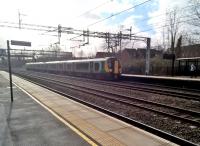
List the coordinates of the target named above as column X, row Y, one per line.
column 96, row 67
column 109, row 63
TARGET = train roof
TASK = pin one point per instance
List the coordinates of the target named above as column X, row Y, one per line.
column 71, row 61
column 190, row 58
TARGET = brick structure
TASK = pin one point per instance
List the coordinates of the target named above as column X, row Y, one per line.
column 139, row 53
column 190, row 51
column 103, row 54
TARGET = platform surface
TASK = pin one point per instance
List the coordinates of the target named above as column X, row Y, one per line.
column 103, row 129
column 186, row 78
column 26, row 123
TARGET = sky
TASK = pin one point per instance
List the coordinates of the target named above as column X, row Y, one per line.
column 80, row 14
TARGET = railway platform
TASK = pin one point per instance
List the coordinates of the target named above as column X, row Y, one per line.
column 176, row 81
column 86, row 125
column 25, row 123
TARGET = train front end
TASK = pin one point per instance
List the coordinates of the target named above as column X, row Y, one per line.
column 113, row 68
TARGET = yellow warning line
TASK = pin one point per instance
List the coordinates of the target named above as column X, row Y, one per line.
column 60, row 118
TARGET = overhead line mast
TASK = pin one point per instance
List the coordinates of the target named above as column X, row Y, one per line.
column 20, row 19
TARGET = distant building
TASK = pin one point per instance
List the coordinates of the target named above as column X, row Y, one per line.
column 2, row 52
column 128, row 53
column 154, row 53
column 103, row 54
column 190, row 51
column 54, row 56
column 67, row 55
column 139, row 53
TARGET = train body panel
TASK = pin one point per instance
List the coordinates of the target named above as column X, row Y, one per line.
column 101, row 68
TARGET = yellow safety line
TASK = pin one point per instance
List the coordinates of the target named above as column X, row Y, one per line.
column 60, row 118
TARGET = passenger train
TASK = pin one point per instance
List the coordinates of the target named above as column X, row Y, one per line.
column 99, row 68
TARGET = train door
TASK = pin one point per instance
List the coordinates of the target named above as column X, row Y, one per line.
column 116, row 67
column 111, row 65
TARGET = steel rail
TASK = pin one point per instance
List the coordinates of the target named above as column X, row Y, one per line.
column 99, row 93
column 192, row 112
column 160, row 91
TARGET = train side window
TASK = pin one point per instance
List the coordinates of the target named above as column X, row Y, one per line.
column 96, row 67
column 54, row 67
column 59, row 67
column 70, row 66
column 82, row 66
column 64, row 66
column 91, row 66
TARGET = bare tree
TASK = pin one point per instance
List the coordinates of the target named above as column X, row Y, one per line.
column 55, row 47
column 104, row 47
column 189, row 39
column 173, row 20
column 194, row 23
column 178, row 50
column 195, row 10
column 173, row 27
column 110, row 46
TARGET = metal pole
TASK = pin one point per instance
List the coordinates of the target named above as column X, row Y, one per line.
column 120, row 43
column 88, row 36
column 10, row 71
column 19, row 19
column 147, row 56
column 108, row 42
column 173, row 60
column 59, row 33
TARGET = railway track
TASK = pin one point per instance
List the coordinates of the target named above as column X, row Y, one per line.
column 183, row 89
column 187, row 116
column 155, row 89
column 131, row 101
